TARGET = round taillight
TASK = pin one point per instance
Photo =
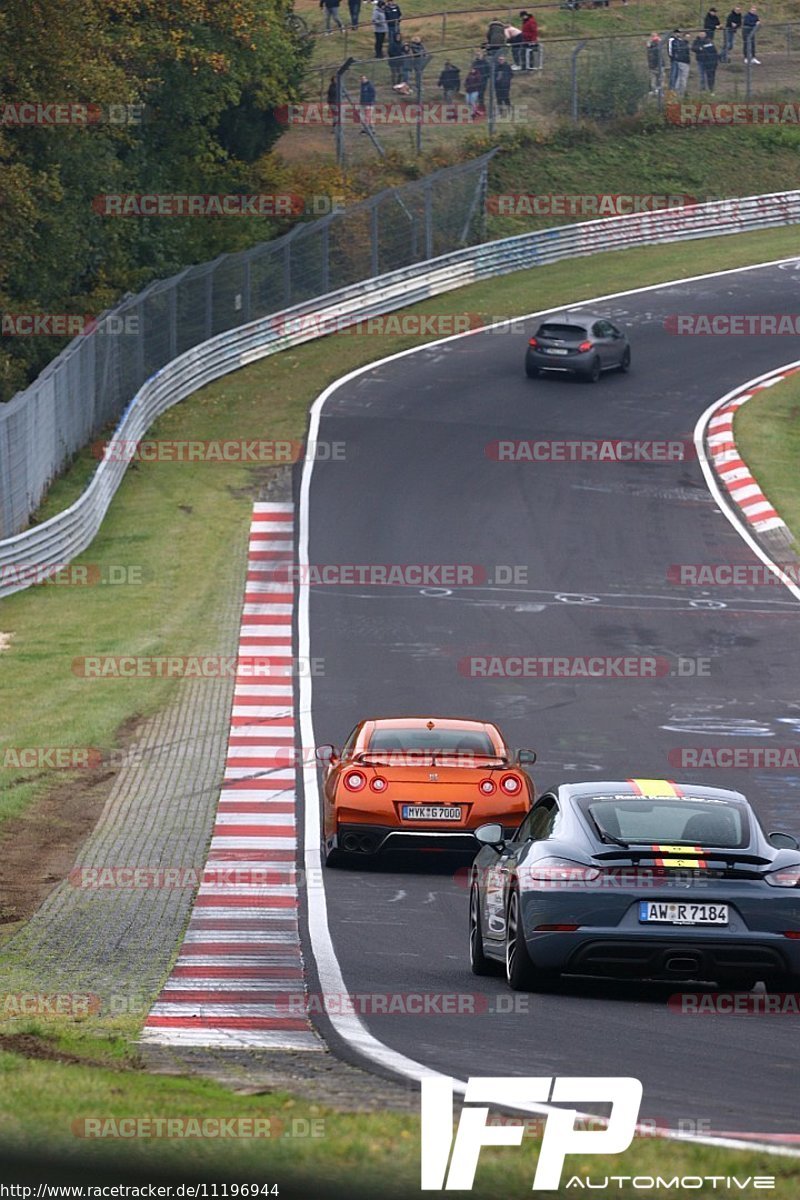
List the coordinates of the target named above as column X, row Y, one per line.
column 378, row 784
column 533, row 342
column 585, row 346
column 354, row 781
column 486, row 786
column 511, row 785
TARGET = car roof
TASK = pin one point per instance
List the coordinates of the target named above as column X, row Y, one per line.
column 459, row 723
column 647, row 789
column 575, row 318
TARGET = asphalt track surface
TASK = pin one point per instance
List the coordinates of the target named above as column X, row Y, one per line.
column 417, row 487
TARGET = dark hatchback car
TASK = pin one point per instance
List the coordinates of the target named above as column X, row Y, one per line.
column 582, row 345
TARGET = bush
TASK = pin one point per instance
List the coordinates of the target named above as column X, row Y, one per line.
column 612, row 82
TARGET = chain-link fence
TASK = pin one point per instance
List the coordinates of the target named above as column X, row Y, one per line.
column 92, row 381
column 595, row 78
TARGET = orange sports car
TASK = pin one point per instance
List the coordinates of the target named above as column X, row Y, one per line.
column 410, row 782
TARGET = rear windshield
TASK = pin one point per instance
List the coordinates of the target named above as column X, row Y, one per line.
column 568, row 333
column 442, row 741
column 689, row 821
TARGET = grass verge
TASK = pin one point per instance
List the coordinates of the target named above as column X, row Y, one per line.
column 767, row 431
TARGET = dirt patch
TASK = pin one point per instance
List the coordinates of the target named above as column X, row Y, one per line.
column 39, row 848
column 5, row 641
column 28, row 1045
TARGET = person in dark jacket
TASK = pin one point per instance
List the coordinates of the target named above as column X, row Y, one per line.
column 682, row 58
column 696, row 45
column 331, row 14
column 750, row 24
column 333, row 101
column 471, row 85
column 366, row 101
column 419, row 59
column 495, row 37
column 711, row 22
column 481, row 64
column 355, row 11
column 502, row 83
column 654, row 65
column 394, row 15
column 733, row 23
column 673, row 64
column 450, row 81
column 397, row 54
column 707, row 59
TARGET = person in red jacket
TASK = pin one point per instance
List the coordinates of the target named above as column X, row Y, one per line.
column 530, row 37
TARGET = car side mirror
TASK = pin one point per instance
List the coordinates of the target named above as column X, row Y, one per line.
column 490, row 835
column 783, row 841
column 526, row 758
column 327, row 753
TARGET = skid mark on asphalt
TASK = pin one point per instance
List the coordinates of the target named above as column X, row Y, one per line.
column 239, row 978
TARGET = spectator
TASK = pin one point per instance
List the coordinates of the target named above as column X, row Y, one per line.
column 502, row 83
column 673, row 62
column 682, row 58
column 481, row 64
column 394, row 15
column 495, row 37
column 472, row 89
column 530, row 38
column 366, row 102
column 449, row 81
column 750, row 24
column 355, row 12
column 711, row 22
column 333, row 101
column 698, row 42
column 419, row 59
column 707, row 60
column 379, row 26
column 733, row 23
column 654, row 62
column 397, row 52
column 331, row 14
column 513, row 37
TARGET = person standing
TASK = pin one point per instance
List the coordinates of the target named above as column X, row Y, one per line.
column 394, row 15
column 707, row 60
column 654, row 63
column 355, row 12
column 331, row 14
column 419, row 60
column 471, row 89
column 530, row 38
column 733, row 23
column 379, row 26
column 697, row 44
column 481, row 63
column 673, row 62
column 711, row 22
column 750, row 24
column 513, row 37
column 449, row 81
column 502, row 83
column 366, row 102
column 333, row 101
column 682, row 62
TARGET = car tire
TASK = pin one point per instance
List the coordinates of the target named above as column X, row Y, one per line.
column 479, row 963
column 594, row 372
column 625, row 362
column 521, row 973
column 531, row 371
column 333, row 858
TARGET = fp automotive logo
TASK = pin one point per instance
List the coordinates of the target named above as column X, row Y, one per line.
column 560, row 1137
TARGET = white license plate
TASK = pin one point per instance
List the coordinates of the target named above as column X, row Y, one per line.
column 555, row 350
column 682, row 913
column 430, row 812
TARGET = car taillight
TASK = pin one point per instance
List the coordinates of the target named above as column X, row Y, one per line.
column 511, row 785
column 378, row 784
column 533, row 342
column 585, row 346
column 486, row 787
column 354, row 781
column 786, row 877
column 561, row 870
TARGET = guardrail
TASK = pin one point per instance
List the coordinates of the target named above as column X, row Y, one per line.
column 26, row 557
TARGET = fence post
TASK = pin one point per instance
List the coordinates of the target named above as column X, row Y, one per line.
column 374, row 232
column 574, row 81
column 428, row 219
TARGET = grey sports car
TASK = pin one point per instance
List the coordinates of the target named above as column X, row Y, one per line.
column 644, row 879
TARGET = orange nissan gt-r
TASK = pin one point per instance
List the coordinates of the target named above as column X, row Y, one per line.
column 411, row 782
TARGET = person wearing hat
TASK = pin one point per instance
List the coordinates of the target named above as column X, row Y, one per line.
column 530, row 38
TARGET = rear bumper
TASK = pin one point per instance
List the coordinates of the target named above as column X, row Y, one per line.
column 579, row 362
column 372, row 839
column 670, row 954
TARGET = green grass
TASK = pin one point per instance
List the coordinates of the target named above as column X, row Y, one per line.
column 767, row 431
column 45, row 1103
column 178, row 521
